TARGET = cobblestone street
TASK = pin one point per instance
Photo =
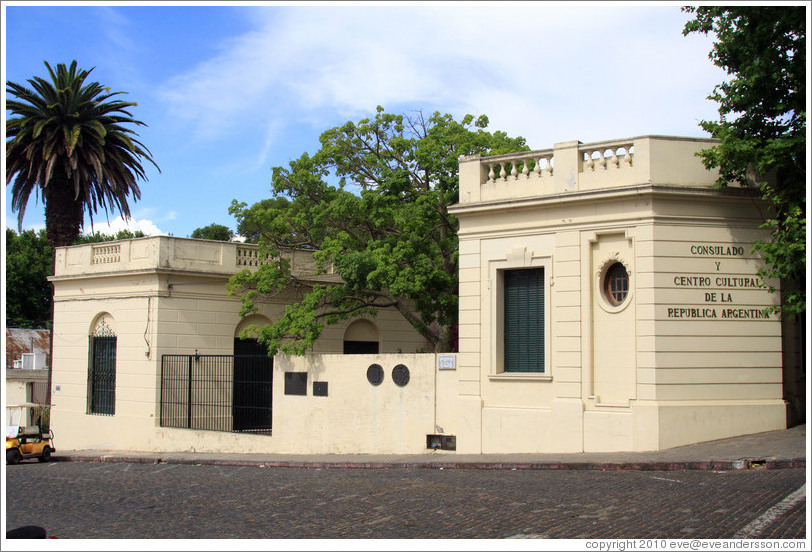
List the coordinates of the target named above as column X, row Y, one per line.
column 136, row 501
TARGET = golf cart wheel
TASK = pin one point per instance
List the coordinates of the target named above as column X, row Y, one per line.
column 13, row 456
column 46, row 455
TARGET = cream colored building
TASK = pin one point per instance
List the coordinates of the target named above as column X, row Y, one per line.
column 127, row 312
column 650, row 332
column 608, row 301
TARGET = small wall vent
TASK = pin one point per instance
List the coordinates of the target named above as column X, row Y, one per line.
column 441, row 442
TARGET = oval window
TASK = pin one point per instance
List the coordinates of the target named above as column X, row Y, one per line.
column 616, row 284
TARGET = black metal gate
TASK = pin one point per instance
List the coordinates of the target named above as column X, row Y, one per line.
column 217, row 392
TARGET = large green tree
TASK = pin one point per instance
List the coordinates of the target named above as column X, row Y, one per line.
column 28, row 293
column 29, row 263
column 213, row 231
column 69, row 142
column 372, row 204
column 762, row 125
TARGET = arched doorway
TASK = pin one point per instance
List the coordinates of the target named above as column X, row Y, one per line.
column 361, row 338
column 252, row 393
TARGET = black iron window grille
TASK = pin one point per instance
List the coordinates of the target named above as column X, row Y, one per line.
column 101, row 375
column 217, row 392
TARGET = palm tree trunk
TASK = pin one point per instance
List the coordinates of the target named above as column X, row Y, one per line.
column 64, row 213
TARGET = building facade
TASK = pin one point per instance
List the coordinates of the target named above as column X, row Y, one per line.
column 609, row 301
column 144, row 344
column 648, row 330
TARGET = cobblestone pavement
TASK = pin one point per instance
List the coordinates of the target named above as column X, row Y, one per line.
column 137, row 501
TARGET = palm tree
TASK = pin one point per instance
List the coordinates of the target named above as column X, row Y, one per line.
column 68, row 144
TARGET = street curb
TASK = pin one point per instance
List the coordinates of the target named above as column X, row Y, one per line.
column 706, row 465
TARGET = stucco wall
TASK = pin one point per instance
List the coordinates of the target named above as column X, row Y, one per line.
column 355, row 416
column 650, row 374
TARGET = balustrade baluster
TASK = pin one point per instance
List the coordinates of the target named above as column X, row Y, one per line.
column 491, row 174
column 613, row 160
column 589, row 164
column 601, row 164
column 537, row 168
column 627, row 159
column 502, row 172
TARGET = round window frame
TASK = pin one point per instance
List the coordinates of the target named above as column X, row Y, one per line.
column 606, row 301
column 608, row 277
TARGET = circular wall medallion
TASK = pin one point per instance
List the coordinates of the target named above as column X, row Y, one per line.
column 375, row 374
column 400, row 375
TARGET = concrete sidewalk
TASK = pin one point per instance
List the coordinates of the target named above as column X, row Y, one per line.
column 770, row 450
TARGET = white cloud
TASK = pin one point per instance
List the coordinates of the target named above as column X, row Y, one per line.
column 118, row 224
column 528, row 66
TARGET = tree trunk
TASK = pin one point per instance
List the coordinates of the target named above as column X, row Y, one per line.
column 64, row 213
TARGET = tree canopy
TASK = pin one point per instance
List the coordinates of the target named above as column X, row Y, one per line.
column 762, row 125
column 28, row 292
column 372, row 204
column 213, row 231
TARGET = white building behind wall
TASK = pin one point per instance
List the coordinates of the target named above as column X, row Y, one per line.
column 608, row 301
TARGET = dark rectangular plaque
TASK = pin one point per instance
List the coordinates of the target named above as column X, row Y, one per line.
column 295, row 383
column 319, row 388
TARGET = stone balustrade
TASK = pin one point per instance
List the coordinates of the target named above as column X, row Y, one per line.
column 506, row 167
column 105, row 253
column 169, row 253
column 248, row 255
column 575, row 166
column 601, row 157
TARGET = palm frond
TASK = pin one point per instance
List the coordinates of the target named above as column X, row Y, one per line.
column 70, row 134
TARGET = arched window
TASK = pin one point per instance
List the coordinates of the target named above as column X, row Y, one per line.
column 101, row 374
column 245, row 336
column 361, row 338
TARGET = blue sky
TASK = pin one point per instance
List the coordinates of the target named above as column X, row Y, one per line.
column 230, row 91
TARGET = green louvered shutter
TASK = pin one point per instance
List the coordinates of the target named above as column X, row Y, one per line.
column 524, row 320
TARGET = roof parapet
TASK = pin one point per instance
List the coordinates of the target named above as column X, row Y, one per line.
column 217, row 258
column 574, row 166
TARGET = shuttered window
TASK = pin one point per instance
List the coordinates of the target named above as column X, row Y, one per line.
column 524, row 320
